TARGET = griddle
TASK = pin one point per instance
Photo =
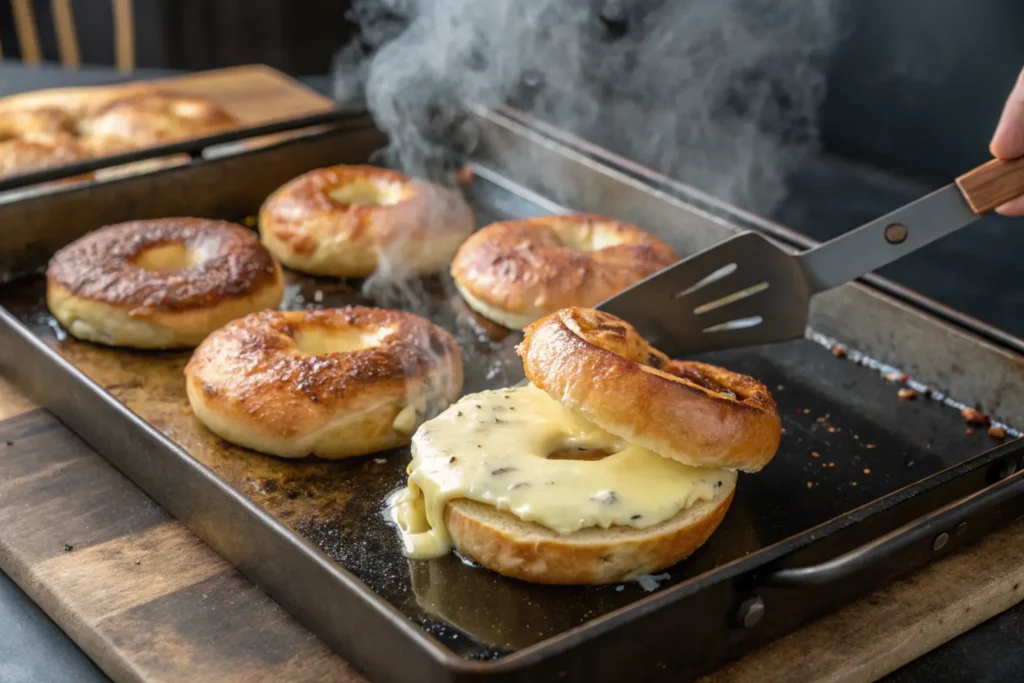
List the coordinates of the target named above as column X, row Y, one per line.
column 865, row 487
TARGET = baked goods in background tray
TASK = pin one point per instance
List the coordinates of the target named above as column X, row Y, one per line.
column 351, row 221
column 574, row 479
column 51, row 128
column 334, row 383
column 514, row 272
column 161, row 283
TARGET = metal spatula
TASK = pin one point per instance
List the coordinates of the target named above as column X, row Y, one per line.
column 748, row 291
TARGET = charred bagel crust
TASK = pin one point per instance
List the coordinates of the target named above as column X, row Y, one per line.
column 98, row 292
column 308, row 228
column 251, row 385
column 517, row 271
column 530, row 552
column 698, row 414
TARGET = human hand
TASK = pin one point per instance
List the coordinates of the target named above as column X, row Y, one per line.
column 1008, row 141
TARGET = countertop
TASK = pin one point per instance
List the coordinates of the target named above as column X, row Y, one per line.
column 976, row 271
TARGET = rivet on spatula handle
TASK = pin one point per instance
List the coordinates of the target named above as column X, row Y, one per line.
column 992, row 184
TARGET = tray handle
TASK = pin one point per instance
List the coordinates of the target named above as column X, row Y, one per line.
column 928, row 527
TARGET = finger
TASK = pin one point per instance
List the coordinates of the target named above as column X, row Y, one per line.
column 1014, row 207
column 1008, row 141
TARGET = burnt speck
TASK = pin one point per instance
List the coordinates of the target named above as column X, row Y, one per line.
column 452, row 459
column 838, row 352
column 498, row 420
column 502, row 470
column 68, row 547
column 458, row 414
column 292, row 495
column 581, row 448
column 718, row 484
column 636, row 518
column 519, row 485
column 606, row 497
column 997, row 432
column 479, row 407
column 138, row 562
column 974, row 417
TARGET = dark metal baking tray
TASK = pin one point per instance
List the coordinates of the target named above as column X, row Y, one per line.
column 862, row 487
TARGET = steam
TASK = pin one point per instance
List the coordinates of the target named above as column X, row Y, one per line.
column 720, row 94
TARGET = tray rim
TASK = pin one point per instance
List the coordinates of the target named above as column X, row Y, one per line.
column 441, row 654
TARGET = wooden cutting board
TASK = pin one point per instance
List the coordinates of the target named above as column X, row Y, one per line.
column 148, row 601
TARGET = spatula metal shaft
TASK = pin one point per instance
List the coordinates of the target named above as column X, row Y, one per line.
column 886, row 239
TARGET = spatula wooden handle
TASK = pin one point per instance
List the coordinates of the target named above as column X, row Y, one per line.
column 992, row 184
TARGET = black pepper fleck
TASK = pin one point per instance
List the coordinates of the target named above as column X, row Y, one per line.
column 636, row 517
column 718, row 484
column 458, row 414
column 452, row 459
column 502, row 470
column 479, row 407
column 68, row 547
column 519, row 485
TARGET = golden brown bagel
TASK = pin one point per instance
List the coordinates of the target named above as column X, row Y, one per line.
column 505, row 544
column 334, row 383
column 515, row 272
column 51, row 128
column 348, row 221
column 599, row 366
column 163, row 283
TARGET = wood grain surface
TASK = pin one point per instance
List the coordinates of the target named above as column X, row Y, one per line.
column 150, row 602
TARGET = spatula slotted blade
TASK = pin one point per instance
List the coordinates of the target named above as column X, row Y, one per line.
column 742, row 292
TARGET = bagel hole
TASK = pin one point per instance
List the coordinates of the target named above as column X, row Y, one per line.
column 579, row 453
column 321, row 342
column 366, row 192
column 173, row 256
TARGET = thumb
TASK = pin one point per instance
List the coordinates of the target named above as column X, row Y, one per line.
column 1008, row 141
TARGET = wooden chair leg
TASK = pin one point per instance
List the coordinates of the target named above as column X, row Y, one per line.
column 124, row 35
column 67, row 38
column 28, row 34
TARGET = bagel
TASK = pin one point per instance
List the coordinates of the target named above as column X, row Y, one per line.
column 50, row 128
column 701, row 415
column 520, row 484
column 350, row 221
column 515, row 272
column 158, row 284
column 334, row 383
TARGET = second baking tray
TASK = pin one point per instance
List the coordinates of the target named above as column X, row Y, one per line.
column 845, row 504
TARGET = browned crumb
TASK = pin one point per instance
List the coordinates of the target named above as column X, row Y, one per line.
column 838, row 352
column 969, row 431
column 869, row 445
column 831, row 464
column 807, row 411
column 906, row 394
column 821, row 420
column 832, row 430
column 974, row 417
column 815, row 454
column 867, row 470
column 810, row 484
column 853, row 483
column 780, row 387
column 250, row 221
column 997, row 432
column 900, row 377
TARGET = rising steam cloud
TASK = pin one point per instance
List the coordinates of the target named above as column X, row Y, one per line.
column 721, row 94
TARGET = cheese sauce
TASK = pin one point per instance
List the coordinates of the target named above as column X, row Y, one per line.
column 494, row 448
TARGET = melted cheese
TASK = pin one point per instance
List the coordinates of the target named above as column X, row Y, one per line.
column 494, row 448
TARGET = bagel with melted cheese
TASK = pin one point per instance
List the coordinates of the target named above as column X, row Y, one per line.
column 351, row 221
column 570, row 480
column 162, row 283
column 514, row 272
column 334, row 383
